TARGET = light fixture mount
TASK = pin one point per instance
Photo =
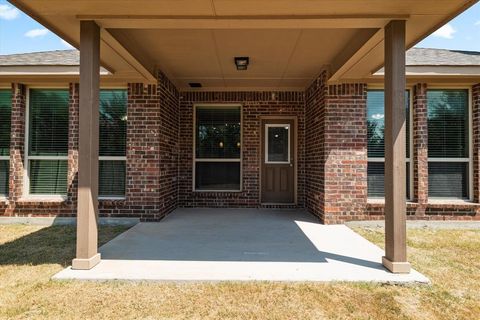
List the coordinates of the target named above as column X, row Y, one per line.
column 242, row 62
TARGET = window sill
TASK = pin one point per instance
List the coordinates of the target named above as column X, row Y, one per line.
column 217, row 191
column 50, row 199
column 382, row 201
column 112, row 198
column 451, row 202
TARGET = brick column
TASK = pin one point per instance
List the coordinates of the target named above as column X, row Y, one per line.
column 17, row 142
column 143, row 165
column 345, row 152
column 476, row 141
column 420, row 147
column 73, row 107
column 314, row 151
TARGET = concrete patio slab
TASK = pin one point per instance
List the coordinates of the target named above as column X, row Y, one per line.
column 240, row 245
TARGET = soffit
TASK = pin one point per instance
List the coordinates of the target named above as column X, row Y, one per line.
column 289, row 41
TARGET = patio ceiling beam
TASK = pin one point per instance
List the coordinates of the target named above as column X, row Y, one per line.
column 139, row 63
column 87, row 208
column 354, row 51
column 241, row 22
column 395, row 258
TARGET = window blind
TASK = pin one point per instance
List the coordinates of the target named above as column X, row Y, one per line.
column 448, row 143
column 113, row 122
column 218, row 133
column 113, row 143
column 112, row 176
column 48, row 177
column 48, row 141
column 376, row 123
column 217, row 137
column 5, row 125
column 376, row 142
column 5, row 121
column 447, row 123
column 48, row 129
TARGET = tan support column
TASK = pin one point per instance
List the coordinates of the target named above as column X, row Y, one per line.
column 87, row 210
column 395, row 258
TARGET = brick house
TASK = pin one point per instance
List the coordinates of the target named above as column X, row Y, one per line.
column 241, row 109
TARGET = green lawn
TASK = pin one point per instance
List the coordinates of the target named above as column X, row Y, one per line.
column 30, row 255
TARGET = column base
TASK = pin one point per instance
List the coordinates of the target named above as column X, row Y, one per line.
column 396, row 267
column 86, row 264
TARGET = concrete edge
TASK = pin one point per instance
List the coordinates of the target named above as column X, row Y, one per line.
column 65, row 221
column 420, row 224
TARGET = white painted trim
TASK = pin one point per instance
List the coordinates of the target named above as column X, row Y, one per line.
column 448, row 159
column 112, row 158
column 112, row 198
column 47, row 157
column 4, row 158
column 277, row 125
column 194, row 137
column 44, row 70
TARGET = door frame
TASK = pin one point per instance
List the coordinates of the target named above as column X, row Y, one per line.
column 294, row 143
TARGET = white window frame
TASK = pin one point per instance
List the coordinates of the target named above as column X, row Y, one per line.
column 410, row 144
column 195, row 160
column 470, row 144
column 27, row 158
column 277, row 125
column 115, row 158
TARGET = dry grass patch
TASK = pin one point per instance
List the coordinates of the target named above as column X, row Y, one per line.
column 29, row 256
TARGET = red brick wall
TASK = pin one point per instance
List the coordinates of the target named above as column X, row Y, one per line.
column 314, row 147
column 345, row 151
column 152, row 153
column 255, row 104
column 420, row 147
column 336, row 159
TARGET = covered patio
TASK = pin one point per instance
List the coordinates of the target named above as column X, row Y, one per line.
column 321, row 50
column 240, row 245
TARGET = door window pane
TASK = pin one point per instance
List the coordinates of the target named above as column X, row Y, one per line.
column 278, row 146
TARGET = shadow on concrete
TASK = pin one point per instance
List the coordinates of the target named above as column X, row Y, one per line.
column 48, row 245
column 224, row 235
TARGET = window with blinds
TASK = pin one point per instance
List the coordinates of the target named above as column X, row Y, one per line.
column 113, row 143
column 376, row 143
column 5, row 125
column 217, row 148
column 448, row 143
column 47, row 154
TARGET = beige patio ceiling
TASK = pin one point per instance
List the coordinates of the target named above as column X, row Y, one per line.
column 288, row 41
